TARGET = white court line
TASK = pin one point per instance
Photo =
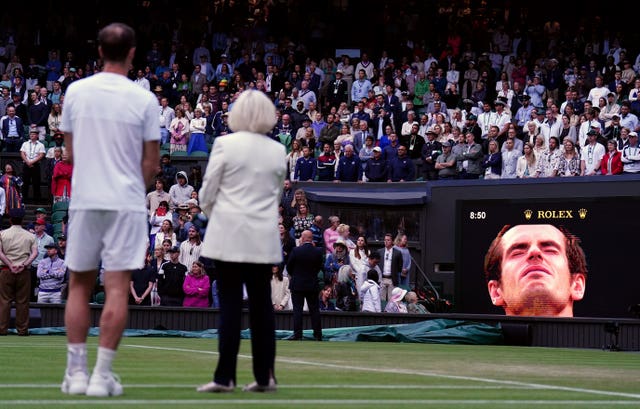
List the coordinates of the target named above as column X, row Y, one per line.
column 411, row 372
column 289, row 402
column 287, row 386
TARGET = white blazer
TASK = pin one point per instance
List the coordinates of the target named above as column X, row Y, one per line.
column 240, row 194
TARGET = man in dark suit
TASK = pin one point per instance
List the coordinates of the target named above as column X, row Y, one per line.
column 391, row 266
column 305, row 262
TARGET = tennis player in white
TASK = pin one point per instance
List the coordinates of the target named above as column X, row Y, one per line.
column 111, row 136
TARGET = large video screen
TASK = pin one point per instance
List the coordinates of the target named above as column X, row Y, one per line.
column 559, row 258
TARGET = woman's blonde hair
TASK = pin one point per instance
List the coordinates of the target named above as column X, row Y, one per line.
column 253, row 112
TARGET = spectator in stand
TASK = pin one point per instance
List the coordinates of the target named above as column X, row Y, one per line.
column 347, row 298
column 196, row 287
column 191, row 248
column 12, row 127
column 349, row 167
column 377, row 168
column 166, row 232
column 303, row 220
column 396, row 303
column 51, row 275
column 155, row 197
column 446, row 162
column 611, row 161
column 11, row 185
column 326, row 164
column 171, row 279
column 401, row 168
column 631, row 155
column 180, row 131
column 142, row 283
column 326, row 299
column 61, row 179
column 180, row 192
column 569, row 163
column 401, row 243
column 305, row 166
column 317, row 229
column 369, row 292
column 156, row 221
column 527, row 163
column 32, row 153
column 280, row 292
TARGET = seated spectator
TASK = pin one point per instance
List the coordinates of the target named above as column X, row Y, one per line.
column 326, row 299
column 196, row 287
column 413, row 306
column 156, row 220
column 280, row 293
column 396, row 304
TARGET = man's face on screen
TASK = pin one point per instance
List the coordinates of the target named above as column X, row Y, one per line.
column 536, row 279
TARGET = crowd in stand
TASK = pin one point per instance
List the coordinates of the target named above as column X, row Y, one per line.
column 518, row 106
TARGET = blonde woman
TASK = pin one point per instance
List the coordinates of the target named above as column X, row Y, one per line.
column 293, row 156
column 526, row 166
column 343, row 232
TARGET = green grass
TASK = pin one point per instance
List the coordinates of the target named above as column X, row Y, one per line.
column 163, row 372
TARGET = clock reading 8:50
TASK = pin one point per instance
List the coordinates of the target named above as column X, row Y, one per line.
column 477, row 215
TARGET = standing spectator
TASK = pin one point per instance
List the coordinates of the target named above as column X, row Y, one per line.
column 233, row 182
column 196, row 287
column 305, row 166
column 11, row 184
column 303, row 266
column 18, row 249
column 631, row 155
column 349, row 167
column 157, row 196
column 401, row 168
column 12, row 127
column 317, row 229
column 128, row 145
column 401, row 243
column 446, row 162
column 180, row 191
column 391, row 267
column 377, row 168
column 280, row 292
column 32, row 153
column 51, row 275
column 171, row 279
column 42, row 240
column 191, row 248
column 156, row 221
column 61, row 179
column 611, row 161
column 141, row 284
column 303, row 220
column 331, row 234
column 53, row 67
column 370, row 293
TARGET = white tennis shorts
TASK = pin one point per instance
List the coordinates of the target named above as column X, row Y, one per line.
column 118, row 239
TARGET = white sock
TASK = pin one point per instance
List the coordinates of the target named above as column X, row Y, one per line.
column 77, row 358
column 104, row 360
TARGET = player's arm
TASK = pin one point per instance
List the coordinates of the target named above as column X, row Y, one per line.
column 150, row 160
column 68, row 144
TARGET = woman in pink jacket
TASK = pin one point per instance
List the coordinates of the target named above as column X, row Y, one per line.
column 196, row 287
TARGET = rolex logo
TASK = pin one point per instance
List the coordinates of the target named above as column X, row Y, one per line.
column 528, row 213
column 582, row 213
